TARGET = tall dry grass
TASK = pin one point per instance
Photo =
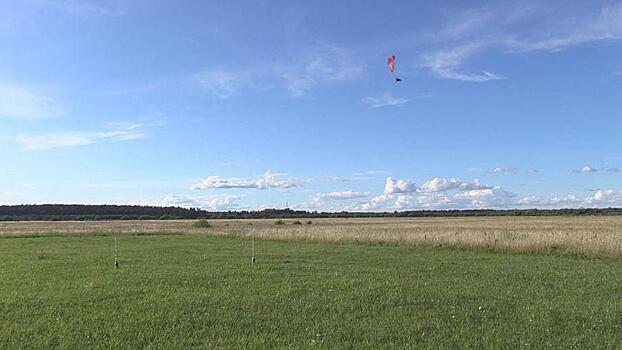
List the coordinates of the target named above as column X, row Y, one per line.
column 591, row 236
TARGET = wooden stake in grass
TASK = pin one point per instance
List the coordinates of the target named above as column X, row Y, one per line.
column 116, row 255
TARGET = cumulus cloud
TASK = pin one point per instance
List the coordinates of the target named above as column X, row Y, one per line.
column 495, row 197
column 437, row 184
column 436, row 193
column 450, row 193
column 266, row 181
column 385, row 100
column 115, row 133
column 440, row 184
column 586, row 170
column 375, row 203
column 605, row 198
column 218, row 203
column 399, row 186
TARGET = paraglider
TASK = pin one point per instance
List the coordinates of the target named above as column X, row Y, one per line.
column 391, row 65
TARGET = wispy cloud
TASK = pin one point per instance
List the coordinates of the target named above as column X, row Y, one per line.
column 115, row 133
column 318, row 66
column 324, row 64
column 385, row 100
column 266, row 181
column 340, row 195
column 331, row 179
column 604, row 25
column 476, row 31
column 224, row 84
column 83, row 9
column 21, row 103
column 215, row 203
column 503, row 170
column 447, row 64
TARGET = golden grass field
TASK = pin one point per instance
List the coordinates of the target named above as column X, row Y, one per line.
column 591, row 236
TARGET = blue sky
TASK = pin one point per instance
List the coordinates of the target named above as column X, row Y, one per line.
column 230, row 105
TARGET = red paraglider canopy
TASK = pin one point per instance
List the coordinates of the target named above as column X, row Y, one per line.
column 391, row 63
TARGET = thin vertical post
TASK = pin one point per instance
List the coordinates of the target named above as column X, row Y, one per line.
column 116, row 254
column 253, row 257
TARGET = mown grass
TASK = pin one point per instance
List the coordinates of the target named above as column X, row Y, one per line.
column 185, row 291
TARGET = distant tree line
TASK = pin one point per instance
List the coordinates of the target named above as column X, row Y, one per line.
column 60, row 212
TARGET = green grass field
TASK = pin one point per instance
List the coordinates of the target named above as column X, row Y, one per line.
column 189, row 291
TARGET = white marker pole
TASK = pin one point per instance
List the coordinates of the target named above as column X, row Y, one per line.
column 116, row 255
column 253, row 257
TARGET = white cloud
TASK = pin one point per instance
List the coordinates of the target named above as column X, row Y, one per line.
column 268, row 180
column 339, row 195
column 531, row 171
column 586, row 170
column 399, row 186
column 218, row 203
column 384, row 100
column 116, row 133
column 21, row 103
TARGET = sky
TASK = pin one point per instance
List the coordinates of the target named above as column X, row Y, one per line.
column 244, row 105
